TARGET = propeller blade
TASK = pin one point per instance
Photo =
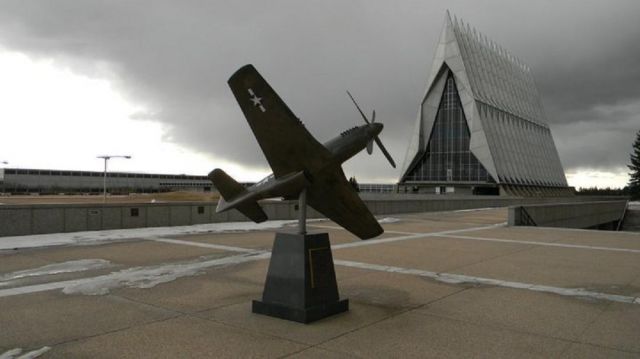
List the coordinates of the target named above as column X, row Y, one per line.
column 373, row 116
column 370, row 147
column 384, row 150
column 358, row 107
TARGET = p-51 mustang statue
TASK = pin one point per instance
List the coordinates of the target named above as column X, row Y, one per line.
column 301, row 282
column 302, row 168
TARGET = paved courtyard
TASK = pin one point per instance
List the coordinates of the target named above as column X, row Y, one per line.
column 445, row 285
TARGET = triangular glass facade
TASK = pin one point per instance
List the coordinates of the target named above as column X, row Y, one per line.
column 447, row 157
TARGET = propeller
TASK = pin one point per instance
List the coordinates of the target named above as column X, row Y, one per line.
column 384, row 150
column 370, row 144
column 358, row 107
column 376, row 139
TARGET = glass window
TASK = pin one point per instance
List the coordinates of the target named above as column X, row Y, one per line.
column 447, row 157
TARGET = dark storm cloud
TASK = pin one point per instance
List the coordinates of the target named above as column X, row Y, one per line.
column 175, row 58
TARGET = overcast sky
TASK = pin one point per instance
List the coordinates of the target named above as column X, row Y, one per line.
column 148, row 78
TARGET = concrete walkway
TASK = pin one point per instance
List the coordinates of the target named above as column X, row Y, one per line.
column 449, row 284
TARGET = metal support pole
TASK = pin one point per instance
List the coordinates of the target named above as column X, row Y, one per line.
column 2, row 182
column 104, row 182
column 302, row 212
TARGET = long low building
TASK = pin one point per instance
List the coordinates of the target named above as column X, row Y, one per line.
column 18, row 180
column 47, row 181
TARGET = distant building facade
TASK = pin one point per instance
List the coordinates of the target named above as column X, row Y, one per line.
column 14, row 180
column 377, row 187
column 481, row 127
column 46, row 181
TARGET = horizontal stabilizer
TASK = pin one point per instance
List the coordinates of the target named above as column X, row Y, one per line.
column 253, row 211
column 231, row 191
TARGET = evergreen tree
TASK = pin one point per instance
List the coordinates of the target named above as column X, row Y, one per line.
column 354, row 184
column 634, row 182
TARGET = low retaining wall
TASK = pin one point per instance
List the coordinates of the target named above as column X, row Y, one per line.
column 631, row 221
column 18, row 220
column 569, row 215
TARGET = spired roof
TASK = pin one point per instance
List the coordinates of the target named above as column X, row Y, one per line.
column 509, row 134
column 498, row 78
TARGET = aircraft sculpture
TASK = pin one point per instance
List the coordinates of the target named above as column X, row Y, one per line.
column 301, row 281
column 302, row 168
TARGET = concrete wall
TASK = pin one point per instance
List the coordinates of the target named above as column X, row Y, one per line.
column 18, row 220
column 568, row 215
column 631, row 220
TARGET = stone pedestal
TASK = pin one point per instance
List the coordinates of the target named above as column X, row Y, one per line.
column 301, row 281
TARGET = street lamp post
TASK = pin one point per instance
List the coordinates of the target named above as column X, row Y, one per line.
column 3, row 188
column 104, row 182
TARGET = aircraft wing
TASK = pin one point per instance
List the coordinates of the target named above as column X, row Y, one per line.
column 286, row 143
column 332, row 195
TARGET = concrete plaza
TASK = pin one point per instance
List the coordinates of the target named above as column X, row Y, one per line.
column 445, row 285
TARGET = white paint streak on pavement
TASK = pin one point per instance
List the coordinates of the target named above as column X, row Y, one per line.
column 35, row 353
column 342, row 229
column 11, row 354
column 57, row 268
column 460, row 279
column 202, row 245
column 146, row 277
column 408, row 236
column 137, row 277
column 476, row 209
column 411, row 236
column 389, row 220
column 101, row 237
column 548, row 244
column 452, row 234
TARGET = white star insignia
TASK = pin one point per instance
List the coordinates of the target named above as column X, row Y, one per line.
column 257, row 101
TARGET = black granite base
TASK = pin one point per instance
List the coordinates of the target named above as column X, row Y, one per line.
column 305, row 315
column 301, row 281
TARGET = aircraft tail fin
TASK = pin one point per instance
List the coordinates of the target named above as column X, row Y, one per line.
column 232, row 194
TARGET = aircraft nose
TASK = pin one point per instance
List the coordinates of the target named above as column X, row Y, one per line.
column 377, row 127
